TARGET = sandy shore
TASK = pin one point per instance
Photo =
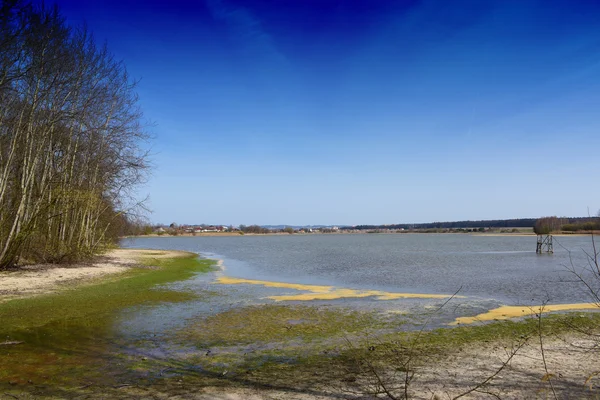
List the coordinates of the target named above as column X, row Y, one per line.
column 571, row 359
column 571, row 364
column 571, row 371
column 47, row 278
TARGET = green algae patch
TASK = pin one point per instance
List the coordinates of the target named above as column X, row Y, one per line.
column 275, row 323
column 345, row 362
column 350, row 366
column 134, row 287
column 245, row 342
column 66, row 338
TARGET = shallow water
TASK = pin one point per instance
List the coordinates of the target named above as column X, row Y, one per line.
column 389, row 273
column 400, row 276
column 504, row 269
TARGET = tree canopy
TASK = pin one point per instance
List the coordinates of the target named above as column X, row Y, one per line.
column 71, row 140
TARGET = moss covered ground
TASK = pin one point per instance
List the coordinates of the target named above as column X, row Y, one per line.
column 63, row 338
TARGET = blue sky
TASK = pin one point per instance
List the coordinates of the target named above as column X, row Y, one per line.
column 360, row 112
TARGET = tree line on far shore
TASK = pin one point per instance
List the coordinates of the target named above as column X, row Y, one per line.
column 497, row 223
column 548, row 225
column 70, row 139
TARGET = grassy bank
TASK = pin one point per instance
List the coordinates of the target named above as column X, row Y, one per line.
column 136, row 286
column 63, row 338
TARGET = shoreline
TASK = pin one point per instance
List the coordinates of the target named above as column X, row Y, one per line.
column 39, row 279
column 449, row 351
column 35, row 280
column 476, row 234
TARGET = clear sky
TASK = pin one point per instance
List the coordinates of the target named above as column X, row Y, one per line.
column 362, row 112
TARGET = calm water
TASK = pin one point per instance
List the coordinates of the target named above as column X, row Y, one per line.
column 501, row 269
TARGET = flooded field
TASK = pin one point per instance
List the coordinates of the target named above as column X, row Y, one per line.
column 264, row 304
column 409, row 274
column 499, row 268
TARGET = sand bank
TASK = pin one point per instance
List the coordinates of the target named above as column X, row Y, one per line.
column 47, row 278
column 318, row 292
column 506, row 312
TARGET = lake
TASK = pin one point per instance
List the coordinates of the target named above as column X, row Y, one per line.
column 502, row 269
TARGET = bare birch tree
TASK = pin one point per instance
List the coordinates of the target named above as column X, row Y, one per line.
column 70, row 138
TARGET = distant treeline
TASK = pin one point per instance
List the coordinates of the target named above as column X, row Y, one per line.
column 567, row 224
column 254, row 229
column 547, row 225
column 496, row 223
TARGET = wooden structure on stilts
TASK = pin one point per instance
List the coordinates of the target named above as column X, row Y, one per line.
column 544, row 244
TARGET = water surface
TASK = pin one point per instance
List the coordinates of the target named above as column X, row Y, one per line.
column 504, row 269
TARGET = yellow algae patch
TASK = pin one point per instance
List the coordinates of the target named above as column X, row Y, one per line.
column 393, row 296
column 317, row 292
column 226, row 280
column 506, row 312
column 352, row 293
column 333, row 295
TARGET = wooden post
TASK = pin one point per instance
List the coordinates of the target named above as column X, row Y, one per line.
column 544, row 242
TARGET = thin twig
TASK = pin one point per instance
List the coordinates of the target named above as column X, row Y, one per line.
column 548, row 375
column 480, row 385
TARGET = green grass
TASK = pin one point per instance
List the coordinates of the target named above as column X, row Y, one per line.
column 260, row 338
column 275, row 341
column 137, row 286
column 66, row 335
column 393, row 350
column 552, row 324
column 278, row 323
column 429, row 346
column 68, row 339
